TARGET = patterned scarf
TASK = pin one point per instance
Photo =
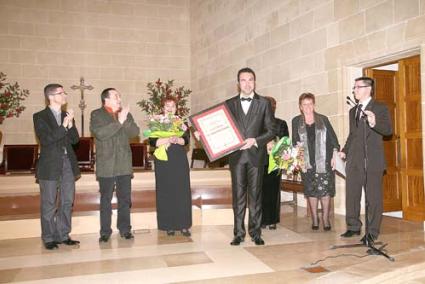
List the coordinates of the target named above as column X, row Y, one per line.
column 320, row 143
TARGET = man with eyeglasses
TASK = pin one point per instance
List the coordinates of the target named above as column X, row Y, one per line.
column 57, row 167
column 364, row 152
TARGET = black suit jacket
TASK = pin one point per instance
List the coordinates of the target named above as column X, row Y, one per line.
column 258, row 123
column 354, row 147
column 53, row 139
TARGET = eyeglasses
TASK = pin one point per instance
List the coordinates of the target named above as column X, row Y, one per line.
column 359, row 87
column 61, row 93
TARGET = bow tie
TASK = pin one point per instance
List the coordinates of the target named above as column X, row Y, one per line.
column 246, row 99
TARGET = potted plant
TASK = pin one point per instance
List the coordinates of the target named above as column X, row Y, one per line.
column 158, row 90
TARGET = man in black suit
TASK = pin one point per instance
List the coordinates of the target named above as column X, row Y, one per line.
column 254, row 116
column 369, row 122
column 57, row 167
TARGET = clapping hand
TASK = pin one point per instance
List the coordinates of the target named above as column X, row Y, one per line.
column 122, row 115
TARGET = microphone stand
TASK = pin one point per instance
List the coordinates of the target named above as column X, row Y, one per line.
column 367, row 240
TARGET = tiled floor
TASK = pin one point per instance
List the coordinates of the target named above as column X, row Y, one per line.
column 291, row 254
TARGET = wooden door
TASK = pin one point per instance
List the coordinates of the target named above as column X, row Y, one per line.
column 411, row 139
column 386, row 92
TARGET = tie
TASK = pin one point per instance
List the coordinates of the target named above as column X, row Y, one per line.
column 246, row 99
column 359, row 110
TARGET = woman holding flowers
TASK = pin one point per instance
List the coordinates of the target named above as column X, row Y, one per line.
column 173, row 196
column 315, row 133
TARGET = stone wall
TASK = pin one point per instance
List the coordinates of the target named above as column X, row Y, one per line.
column 122, row 44
column 299, row 46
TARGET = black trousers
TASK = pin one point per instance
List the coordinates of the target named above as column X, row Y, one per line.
column 122, row 185
column 246, row 188
column 354, row 185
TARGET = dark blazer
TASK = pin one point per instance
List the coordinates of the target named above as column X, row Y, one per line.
column 354, row 148
column 258, row 123
column 281, row 128
column 53, row 139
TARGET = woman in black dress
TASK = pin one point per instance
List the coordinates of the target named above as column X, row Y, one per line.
column 271, row 182
column 173, row 195
column 315, row 132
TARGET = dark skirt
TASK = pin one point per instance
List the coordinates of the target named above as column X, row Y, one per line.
column 271, row 198
column 173, row 195
column 318, row 184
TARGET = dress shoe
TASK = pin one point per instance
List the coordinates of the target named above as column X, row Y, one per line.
column 258, row 241
column 103, row 239
column 315, row 227
column 51, row 245
column 327, row 227
column 70, row 242
column 170, row 233
column 237, row 241
column 349, row 234
column 185, row 232
column 368, row 239
column 272, row 227
column 127, row 236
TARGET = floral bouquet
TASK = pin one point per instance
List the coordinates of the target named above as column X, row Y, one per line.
column 285, row 157
column 164, row 126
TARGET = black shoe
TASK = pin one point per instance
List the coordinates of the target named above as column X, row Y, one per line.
column 103, row 239
column 272, row 227
column 349, row 234
column 236, row 241
column 315, row 227
column 51, row 245
column 368, row 239
column 328, row 227
column 185, row 232
column 170, row 233
column 127, row 236
column 258, row 241
column 70, row 242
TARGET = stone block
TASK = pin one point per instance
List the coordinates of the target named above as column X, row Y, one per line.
column 15, row 28
column 124, row 35
column 279, row 35
column 262, row 43
column 395, row 35
column 112, row 73
column 12, row 70
column 156, row 49
column 35, row 71
column 345, row 8
column 290, row 50
column 332, row 31
column 415, row 28
column 352, row 27
column 380, row 16
column 22, row 56
column 73, row 32
column 323, row 15
column 34, row 43
column 288, row 12
column 405, row 9
column 96, row 33
column 63, row 72
column 48, row 30
column 301, row 25
column 314, row 41
column 10, row 41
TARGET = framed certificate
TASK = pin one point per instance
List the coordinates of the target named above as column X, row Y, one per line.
column 219, row 134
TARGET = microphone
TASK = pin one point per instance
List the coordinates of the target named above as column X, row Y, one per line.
column 354, row 104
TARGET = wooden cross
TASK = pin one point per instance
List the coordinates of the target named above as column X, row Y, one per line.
column 82, row 104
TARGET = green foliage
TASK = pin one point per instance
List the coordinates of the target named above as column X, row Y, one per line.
column 11, row 97
column 158, row 91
